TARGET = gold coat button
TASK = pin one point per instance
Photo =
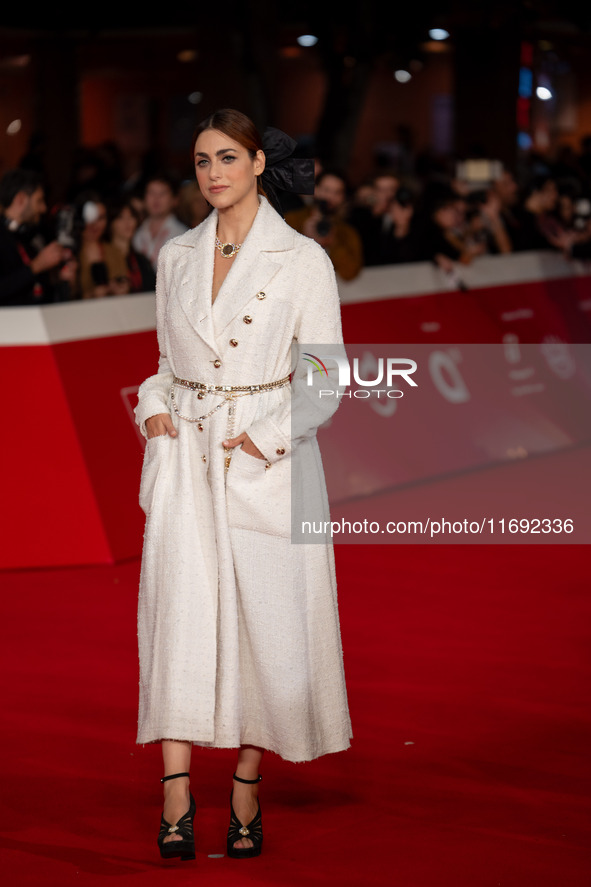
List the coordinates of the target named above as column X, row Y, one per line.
column 233, row 342
column 280, row 451
column 217, row 363
column 261, row 295
column 247, row 318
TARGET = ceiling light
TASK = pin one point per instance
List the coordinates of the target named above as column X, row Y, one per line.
column 543, row 93
column 307, row 40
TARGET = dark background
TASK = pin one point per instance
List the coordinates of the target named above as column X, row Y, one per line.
column 118, row 81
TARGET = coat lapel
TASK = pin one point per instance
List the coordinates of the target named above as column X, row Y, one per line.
column 259, row 260
column 196, row 278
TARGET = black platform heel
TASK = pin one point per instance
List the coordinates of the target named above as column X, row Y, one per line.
column 183, row 827
column 253, row 831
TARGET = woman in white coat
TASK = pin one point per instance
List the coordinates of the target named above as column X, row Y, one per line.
column 238, row 628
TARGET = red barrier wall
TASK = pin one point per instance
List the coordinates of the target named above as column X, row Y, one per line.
column 72, row 455
column 529, row 311
column 50, row 513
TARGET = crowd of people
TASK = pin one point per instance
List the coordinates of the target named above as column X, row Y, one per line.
column 105, row 238
column 443, row 219
column 91, row 246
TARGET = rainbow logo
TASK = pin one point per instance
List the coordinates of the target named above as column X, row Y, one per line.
column 315, row 361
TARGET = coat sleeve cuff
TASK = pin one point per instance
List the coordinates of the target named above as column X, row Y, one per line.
column 269, row 439
column 153, row 402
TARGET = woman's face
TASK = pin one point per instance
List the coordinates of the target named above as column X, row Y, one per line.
column 226, row 173
column 124, row 225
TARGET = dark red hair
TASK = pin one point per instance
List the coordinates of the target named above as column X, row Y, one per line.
column 236, row 126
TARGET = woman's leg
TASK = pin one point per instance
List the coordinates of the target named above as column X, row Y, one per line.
column 244, row 798
column 177, row 759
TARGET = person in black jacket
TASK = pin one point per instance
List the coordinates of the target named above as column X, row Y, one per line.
column 373, row 222
column 31, row 271
column 534, row 213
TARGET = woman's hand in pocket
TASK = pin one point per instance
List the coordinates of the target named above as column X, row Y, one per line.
column 159, row 425
column 247, row 445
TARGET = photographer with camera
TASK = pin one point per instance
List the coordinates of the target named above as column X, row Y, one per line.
column 484, row 224
column 372, row 216
column 399, row 242
column 32, row 272
column 324, row 223
column 103, row 269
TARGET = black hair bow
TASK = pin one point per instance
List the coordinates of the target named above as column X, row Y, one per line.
column 282, row 171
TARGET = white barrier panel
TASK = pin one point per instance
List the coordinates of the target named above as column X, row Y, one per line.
column 74, row 321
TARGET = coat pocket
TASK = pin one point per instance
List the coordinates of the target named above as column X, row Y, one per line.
column 259, row 498
column 155, row 452
column 248, row 463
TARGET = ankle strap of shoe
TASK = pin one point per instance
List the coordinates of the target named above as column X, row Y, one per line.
column 247, row 781
column 174, row 776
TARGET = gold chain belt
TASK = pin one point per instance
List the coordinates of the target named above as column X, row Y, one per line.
column 223, row 389
column 229, row 394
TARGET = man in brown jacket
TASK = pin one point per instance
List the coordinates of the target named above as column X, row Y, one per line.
column 323, row 222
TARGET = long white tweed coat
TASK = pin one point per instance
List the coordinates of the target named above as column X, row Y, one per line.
column 238, row 627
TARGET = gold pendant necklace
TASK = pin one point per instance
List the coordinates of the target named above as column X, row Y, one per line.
column 227, row 249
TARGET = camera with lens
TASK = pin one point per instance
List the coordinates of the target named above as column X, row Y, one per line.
column 67, row 231
column 70, row 221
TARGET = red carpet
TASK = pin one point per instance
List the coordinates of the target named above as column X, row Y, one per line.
column 468, row 672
